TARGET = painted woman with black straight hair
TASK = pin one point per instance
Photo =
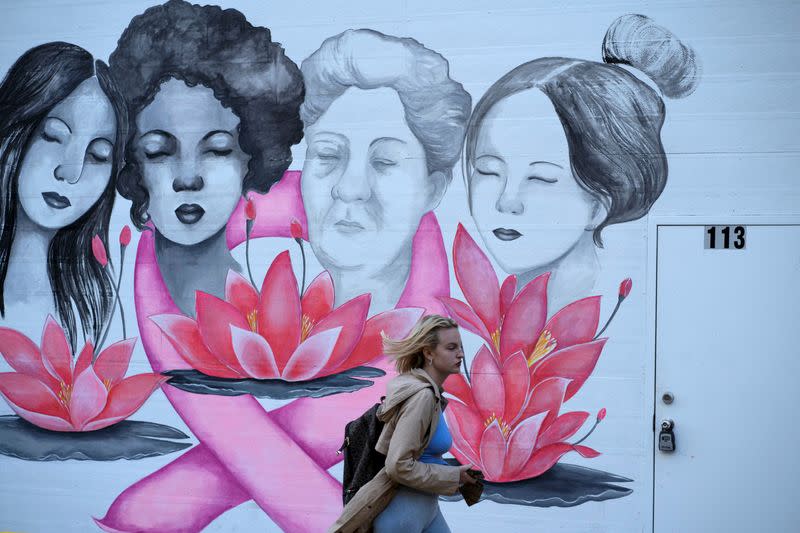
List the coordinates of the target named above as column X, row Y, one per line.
column 61, row 118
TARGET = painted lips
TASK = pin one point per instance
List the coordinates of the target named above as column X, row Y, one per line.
column 506, row 234
column 55, row 200
column 189, row 213
column 349, row 226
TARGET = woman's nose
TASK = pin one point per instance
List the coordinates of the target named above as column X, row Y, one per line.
column 68, row 172
column 509, row 202
column 71, row 166
column 353, row 186
column 188, row 178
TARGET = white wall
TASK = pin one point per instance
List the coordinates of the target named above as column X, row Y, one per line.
column 733, row 147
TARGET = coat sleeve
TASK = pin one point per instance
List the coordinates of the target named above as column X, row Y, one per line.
column 408, row 437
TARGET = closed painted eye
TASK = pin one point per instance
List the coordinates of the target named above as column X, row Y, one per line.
column 542, row 179
column 220, row 153
column 382, row 165
column 156, row 155
column 100, row 151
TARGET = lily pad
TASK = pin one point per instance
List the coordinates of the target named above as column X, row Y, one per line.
column 276, row 389
column 128, row 439
column 562, row 486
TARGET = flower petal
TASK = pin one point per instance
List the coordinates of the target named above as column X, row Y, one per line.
column 254, row 354
column 467, row 426
column 279, row 312
column 184, row 335
column 56, row 353
column 543, row 460
column 125, row 399
column 350, row 317
column 493, row 452
column 466, row 318
column 318, row 299
column 311, row 356
column 23, row 355
column 517, row 382
column 395, row 324
column 576, row 323
column 214, row 319
column 525, row 317
column 477, row 279
column 34, row 401
column 487, row 385
column 240, row 294
column 84, row 359
column 507, row 291
column 521, row 443
column 562, row 428
column 456, row 385
column 546, row 397
column 88, row 398
column 575, row 363
column 112, row 363
column 585, row 451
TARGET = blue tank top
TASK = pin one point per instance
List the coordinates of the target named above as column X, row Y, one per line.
column 440, row 443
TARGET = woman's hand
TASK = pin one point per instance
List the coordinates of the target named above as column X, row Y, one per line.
column 464, row 477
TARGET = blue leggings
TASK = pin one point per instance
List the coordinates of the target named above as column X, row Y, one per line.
column 411, row 511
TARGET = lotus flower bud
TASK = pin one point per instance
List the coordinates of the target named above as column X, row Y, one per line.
column 125, row 236
column 296, row 229
column 601, row 414
column 625, row 288
column 99, row 251
column 250, row 210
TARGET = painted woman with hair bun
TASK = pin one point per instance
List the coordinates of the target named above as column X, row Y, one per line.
column 61, row 121
column 559, row 149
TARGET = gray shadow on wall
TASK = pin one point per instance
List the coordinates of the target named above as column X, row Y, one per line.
column 562, row 486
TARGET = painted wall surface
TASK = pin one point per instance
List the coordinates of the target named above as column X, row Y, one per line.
column 181, row 351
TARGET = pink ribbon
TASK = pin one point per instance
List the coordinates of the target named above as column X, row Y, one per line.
column 280, row 458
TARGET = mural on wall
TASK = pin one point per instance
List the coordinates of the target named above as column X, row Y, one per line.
column 193, row 122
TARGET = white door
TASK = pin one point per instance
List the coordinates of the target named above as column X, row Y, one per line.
column 728, row 349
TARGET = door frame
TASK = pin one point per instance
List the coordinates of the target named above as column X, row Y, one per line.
column 654, row 222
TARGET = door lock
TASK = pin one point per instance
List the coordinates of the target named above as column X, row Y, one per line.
column 666, row 437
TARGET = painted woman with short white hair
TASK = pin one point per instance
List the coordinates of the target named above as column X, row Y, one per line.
column 384, row 123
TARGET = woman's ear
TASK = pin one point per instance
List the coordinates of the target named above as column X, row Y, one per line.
column 439, row 181
column 598, row 214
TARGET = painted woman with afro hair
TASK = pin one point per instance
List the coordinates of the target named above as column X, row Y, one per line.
column 214, row 106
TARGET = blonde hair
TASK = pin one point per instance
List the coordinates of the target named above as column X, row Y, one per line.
column 407, row 352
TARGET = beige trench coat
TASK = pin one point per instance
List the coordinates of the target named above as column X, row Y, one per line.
column 410, row 412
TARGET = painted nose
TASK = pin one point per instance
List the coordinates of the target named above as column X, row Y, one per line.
column 188, row 179
column 353, row 186
column 71, row 165
column 70, row 173
column 509, row 203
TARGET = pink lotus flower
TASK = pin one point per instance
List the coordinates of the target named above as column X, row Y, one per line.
column 559, row 347
column 277, row 334
column 49, row 391
column 507, row 423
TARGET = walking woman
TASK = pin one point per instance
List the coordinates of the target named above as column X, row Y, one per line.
column 403, row 496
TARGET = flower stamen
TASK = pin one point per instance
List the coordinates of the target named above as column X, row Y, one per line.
column 65, row 394
column 505, row 429
column 307, row 324
column 496, row 340
column 252, row 320
column 544, row 346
